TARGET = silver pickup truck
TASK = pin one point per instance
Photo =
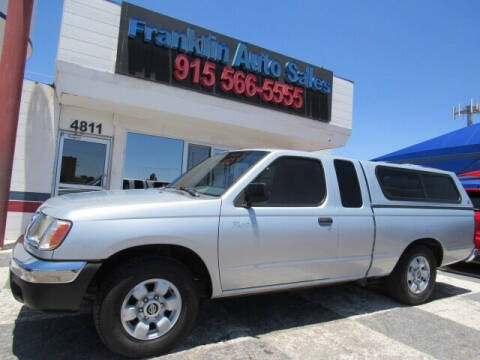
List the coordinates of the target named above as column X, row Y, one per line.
column 241, row 222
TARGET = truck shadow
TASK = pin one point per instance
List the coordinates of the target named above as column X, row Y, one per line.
column 73, row 336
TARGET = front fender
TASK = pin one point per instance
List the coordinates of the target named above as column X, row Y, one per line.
column 97, row 240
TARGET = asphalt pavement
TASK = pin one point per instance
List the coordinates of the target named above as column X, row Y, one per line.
column 336, row 322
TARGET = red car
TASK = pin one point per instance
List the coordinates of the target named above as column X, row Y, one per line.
column 474, row 194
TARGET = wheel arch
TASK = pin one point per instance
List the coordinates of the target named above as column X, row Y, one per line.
column 184, row 255
column 432, row 244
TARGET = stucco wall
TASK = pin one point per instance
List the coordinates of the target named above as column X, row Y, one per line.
column 34, row 158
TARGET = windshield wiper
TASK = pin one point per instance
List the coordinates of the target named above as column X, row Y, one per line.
column 191, row 191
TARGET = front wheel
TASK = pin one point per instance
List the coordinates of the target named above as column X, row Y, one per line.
column 145, row 306
column 413, row 279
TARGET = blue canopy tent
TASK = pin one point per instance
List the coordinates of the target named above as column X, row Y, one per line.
column 458, row 151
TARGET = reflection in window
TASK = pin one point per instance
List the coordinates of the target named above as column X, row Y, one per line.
column 151, row 161
column 215, row 175
column 196, row 154
column 83, row 162
column 216, row 151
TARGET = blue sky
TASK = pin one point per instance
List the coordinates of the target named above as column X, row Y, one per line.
column 411, row 61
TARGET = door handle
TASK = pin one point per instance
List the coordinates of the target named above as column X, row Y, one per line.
column 325, row 221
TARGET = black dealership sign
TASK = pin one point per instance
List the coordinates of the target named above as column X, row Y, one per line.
column 156, row 47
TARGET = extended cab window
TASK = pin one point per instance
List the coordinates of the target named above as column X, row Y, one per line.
column 412, row 185
column 293, row 181
column 348, row 184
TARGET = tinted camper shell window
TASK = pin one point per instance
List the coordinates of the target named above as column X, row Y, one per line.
column 416, row 185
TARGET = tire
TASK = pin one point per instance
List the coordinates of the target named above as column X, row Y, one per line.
column 401, row 286
column 115, row 299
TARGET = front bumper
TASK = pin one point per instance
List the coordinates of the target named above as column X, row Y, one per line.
column 49, row 285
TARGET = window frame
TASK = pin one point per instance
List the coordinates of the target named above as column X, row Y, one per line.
column 238, row 199
column 420, row 173
column 58, row 185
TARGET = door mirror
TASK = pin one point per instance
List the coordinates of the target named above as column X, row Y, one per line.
column 255, row 193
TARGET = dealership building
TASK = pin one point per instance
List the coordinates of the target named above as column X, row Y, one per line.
column 139, row 98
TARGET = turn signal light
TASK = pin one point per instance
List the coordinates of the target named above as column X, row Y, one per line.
column 54, row 236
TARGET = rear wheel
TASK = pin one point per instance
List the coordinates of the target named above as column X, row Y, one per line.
column 413, row 279
column 145, row 307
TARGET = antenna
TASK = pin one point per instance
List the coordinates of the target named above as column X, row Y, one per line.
column 468, row 110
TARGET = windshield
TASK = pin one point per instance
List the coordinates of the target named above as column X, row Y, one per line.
column 216, row 174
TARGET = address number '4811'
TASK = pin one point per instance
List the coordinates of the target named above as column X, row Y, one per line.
column 84, row 126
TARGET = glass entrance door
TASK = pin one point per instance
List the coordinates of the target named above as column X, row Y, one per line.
column 82, row 164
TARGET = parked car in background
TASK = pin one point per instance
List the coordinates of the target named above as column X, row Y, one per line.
column 241, row 222
column 129, row 184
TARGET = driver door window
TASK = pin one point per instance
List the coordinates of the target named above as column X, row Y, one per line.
column 293, row 181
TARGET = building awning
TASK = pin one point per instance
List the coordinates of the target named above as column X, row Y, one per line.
column 185, row 114
column 457, row 151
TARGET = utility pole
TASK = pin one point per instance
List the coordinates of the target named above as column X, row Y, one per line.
column 468, row 110
column 12, row 67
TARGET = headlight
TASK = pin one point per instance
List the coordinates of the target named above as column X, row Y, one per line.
column 46, row 232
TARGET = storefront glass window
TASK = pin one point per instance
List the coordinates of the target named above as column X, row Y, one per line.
column 151, row 161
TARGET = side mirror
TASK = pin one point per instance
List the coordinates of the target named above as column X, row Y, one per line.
column 255, row 193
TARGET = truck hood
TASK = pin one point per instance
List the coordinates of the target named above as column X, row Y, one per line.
column 129, row 204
